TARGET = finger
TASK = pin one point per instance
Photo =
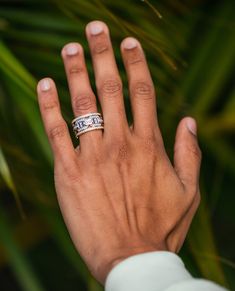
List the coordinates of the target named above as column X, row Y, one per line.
column 55, row 126
column 187, row 157
column 108, row 81
column 141, row 88
column 82, row 97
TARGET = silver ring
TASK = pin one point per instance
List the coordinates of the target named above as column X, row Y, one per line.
column 87, row 122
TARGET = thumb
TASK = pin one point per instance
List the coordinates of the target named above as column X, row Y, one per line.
column 187, row 154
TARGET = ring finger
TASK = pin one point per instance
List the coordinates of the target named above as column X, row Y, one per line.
column 82, row 96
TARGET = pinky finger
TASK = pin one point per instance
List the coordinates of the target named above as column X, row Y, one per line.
column 55, row 126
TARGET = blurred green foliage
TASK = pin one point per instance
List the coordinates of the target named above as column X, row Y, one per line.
column 190, row 47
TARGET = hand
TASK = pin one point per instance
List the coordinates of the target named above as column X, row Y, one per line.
column 118, row 192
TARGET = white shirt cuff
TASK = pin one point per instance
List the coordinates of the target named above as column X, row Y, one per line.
column 155, row 271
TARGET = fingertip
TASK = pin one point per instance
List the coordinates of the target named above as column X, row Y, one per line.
column 191, row 125
column 187, row 153
column 96, row 27
column 186, row 142
column 71, row 49
column 129, row 43
column 187, row 125
column 44, row 85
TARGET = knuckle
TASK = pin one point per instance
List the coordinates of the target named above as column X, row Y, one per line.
column 192, row 150
column 75, row 70
column 196, row 151
column 122, row 151
column 58, row 131
column 143, row 90
column 100, row 47
column 135, row 57
column 84, row 103
column 119, row 150
column 111, row 87
column 151, row 145
column 50, row 104
column 135, row 60
column 96, row 160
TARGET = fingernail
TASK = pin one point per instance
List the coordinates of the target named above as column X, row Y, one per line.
column 44, row 85
column 71, row 49
column 95, row 27
column 192, row 126
column 129, row 43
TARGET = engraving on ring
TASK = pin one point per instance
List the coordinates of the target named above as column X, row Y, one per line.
column 87, row 122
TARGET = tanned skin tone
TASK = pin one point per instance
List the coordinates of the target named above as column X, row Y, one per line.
column 118, row 191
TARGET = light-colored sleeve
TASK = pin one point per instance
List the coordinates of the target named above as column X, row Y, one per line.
column 155, row 271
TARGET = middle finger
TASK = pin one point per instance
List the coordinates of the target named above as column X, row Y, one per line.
column 108, row 81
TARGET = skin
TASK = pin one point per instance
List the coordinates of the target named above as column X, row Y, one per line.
column 118, row 192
